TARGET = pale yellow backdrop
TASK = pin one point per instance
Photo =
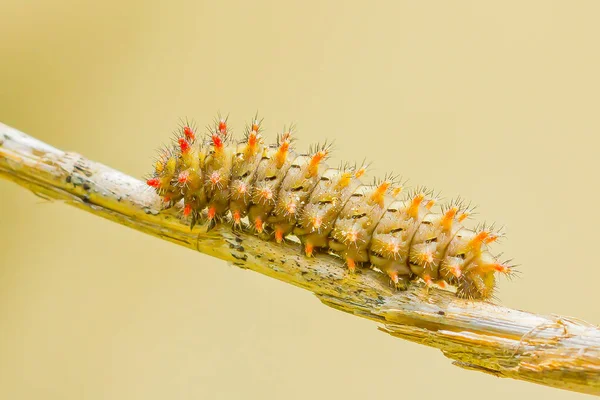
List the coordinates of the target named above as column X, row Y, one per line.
column 495, row 101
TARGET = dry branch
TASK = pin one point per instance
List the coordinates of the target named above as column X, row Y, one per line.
column 551, row 350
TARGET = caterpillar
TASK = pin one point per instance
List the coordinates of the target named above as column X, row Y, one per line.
column 276, row 192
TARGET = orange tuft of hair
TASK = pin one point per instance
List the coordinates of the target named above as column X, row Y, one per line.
column 360, row 172
column 313, row 167
column 212, row 211
column 278, row 235
column 237, row 218
column 282, row 152
column 428, row 280
column 393, row 276
column 223, row 127
column 463, row 216
column 351, row 264
column 397, row 191
column 308, row 249
column 379, row 194
column 187, row 209
column 258, row 225
column 413, row 210
column 478, row 240
column 184, row 145
column 345, row 180
column 253, row 139
column 448, row 218
column 217, row 142
column 491, row 238
column 189, row 133
column 154, row 182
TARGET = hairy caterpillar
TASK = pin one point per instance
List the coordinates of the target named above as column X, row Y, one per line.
column 277, row 192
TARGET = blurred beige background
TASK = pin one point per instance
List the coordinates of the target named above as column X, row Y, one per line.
column 498, row 103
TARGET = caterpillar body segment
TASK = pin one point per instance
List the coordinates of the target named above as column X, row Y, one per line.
column 217, row 176
column 295, row 190
column 352, row 232
column 317, row 219
column 248, row 155
column 328, row 209
column 275, row 162
column 392, row 239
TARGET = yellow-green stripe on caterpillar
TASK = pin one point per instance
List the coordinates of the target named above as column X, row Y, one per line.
column 280, row 192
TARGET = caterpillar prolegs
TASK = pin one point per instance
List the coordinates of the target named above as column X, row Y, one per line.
column 275, row 192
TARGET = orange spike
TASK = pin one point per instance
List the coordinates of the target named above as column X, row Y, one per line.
column 500, row 268
column 351, row 264
column 449, row 218
column 427, row 280
column 217, row 142
column 255, row 126
column 286, row 137
column 167, row 199
column 441, row 284
column 430, row 204
column 278, row 235
column 237, row 217
column 476, row 242
column 187, row 209
column 344, row 181
column 308, row 249
column 393, row 276
column 413, row 210
column 379, row 194
column 184, row 145
column 253, row 141
column 397, row 191
column 258, row 225
column 282, row 153
column 313, row 167
column 212, row 211
column 491, row 238
column 463, row 216
column 223, row 127
column 360, row 172
column 154, row 182
column 189, row 133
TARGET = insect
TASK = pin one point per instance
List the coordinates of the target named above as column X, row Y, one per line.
column 275, row 191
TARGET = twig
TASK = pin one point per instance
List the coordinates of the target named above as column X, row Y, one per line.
column 551, row 350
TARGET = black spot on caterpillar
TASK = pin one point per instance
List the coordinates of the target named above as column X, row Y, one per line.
column 276, row 192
